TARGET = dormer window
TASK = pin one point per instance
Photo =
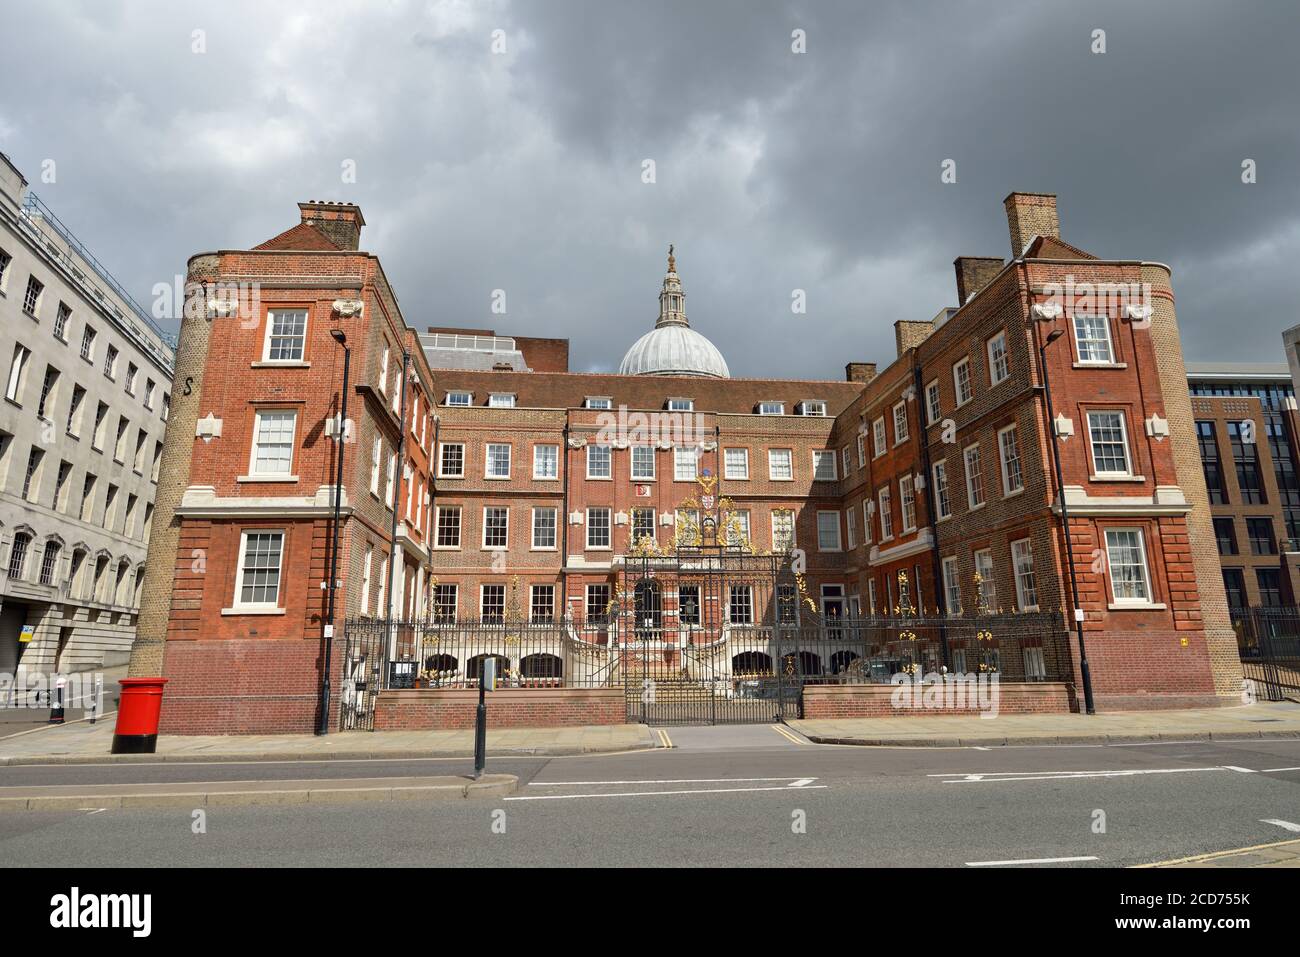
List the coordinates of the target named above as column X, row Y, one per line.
column 460, row 398
column 501, row 400
column 681, row 405
column 599, row 402
column 771, row 408
column 812, row 407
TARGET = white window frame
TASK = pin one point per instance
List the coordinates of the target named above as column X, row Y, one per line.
column 771, row 408
column 789, row 461
column 972, row 487
column 868, row 536
column 442, row 448
column 609, row 528
column 270, row 325
column 933, row 402
column 501, row 400
column 539, row 475
column 680, row 459
column 637, row 470
column 458, row 393
column 862, row 450
column 253, row 471
column 777, row 545
column 1092, row 341
column 942, row 493
column 487, row 460
column 851, row 528
column 376, row 465
column 989, row 582
column 727, row 471
column 884, row 508
column 1003, row 462
column 812, row 407
column 238, row 604
column 951, row 585
column 505, row 546
column 999, row 359
column 1117, row 601
column 1018, row 572
column 598, row 402
column 608, row 473
column 907, row 503
column 962, row 364
column 680, row 404
column 437, row 525
column 879, row 438
column 555, row 528
column 824, row 455
column 1092, row 449
column 823, row 528
column 900, row 419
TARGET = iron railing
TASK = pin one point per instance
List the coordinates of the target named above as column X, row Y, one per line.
column 1268, row 640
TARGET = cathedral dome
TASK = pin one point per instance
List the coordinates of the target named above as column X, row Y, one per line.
column 672, row 347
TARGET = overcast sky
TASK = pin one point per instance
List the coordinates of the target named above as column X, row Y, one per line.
column 522, row 170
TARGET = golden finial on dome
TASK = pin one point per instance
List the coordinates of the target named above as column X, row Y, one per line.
column 672, row 261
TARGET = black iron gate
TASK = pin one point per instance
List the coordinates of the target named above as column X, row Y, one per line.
column 1268, row 640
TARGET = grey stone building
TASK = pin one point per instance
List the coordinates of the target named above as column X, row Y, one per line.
column 87, row 378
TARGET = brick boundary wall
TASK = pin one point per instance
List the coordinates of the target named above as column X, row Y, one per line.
column 251, row 686
column 875, row 701
column 422, row 709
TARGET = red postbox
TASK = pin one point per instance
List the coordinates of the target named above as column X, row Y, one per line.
column 137, row 716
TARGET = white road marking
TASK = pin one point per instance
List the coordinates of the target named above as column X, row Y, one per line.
column 996, row 777
column 620, row 794
column 96, row 811
column 1029, row 860
column 1233, row 767
column 1275, row 770
column 803, row 782
column 561, row 784
column 1280, row 823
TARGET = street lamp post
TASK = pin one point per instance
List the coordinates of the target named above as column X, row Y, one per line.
column 332, row 585
column 1065, row 522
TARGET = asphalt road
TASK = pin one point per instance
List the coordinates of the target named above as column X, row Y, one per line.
column 721, row 796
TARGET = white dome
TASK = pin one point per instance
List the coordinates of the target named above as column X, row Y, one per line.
column 674, row 350
column 672, row 347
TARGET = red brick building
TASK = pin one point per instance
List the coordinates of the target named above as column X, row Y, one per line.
column 928, row 484
column 235, row 599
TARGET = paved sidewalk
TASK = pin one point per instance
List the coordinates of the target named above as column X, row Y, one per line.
column 89, row 744
column 1266, row 720
column 1277, row 854
column 73, row 797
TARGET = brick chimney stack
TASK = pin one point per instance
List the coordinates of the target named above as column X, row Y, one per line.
column 341, row 222
column 862, row 372
column 1030, row 215
column 973, row 274
column 908, row 333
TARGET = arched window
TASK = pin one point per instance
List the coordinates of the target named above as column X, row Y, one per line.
column 18, row 554
column 50, row 562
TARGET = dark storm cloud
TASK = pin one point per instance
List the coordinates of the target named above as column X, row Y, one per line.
column 775, row 171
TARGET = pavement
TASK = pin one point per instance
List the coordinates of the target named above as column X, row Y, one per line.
column 71, row 797
column 1279, row 719
column 82, row 742
column 755, row 795
column 1276, row 854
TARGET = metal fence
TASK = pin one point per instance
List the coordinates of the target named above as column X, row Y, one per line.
column 679, row 675
column 1268, row 640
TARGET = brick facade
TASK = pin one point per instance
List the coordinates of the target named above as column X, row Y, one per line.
column 965, row 400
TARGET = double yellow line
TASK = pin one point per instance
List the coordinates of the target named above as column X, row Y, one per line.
column 664, row 740
column 786, row 733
